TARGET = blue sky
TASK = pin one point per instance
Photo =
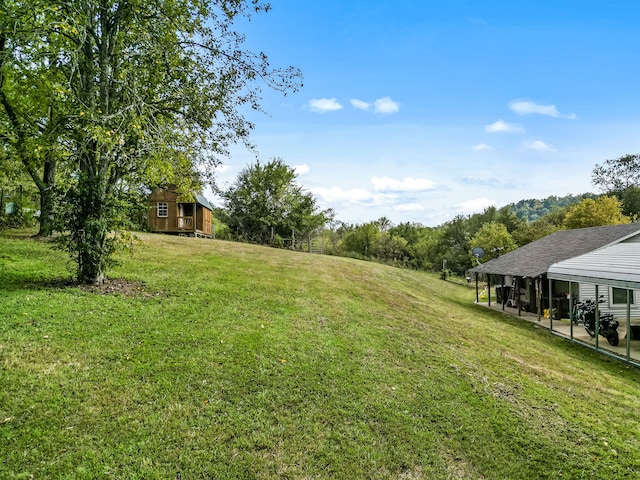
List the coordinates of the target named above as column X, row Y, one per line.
column 423, row 110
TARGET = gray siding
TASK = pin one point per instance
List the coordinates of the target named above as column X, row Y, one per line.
column 588, row 290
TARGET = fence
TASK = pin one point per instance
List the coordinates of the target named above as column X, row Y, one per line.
column 14, row 198
column 310, row 244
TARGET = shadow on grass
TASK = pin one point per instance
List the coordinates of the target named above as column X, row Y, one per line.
column 110, row 287
column 16, row 283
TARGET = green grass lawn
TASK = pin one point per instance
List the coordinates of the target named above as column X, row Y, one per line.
column 225, row 360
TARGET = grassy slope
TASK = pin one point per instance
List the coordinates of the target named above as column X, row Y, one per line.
column 236, row 361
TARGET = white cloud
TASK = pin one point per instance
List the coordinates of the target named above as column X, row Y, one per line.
column 322, row 105
column 482, row 147
column 354, row 195
column 409, row 207
column 335, row 194
column 538, row 145
column 359, row 104
column 223, row 168
column 386, row 105
column 301, row 169
column 525, row 107
column 476, row 205
column 409, row 184
column 500, row 126
column 485, row 182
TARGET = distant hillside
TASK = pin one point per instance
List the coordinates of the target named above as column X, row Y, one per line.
column 532, row 209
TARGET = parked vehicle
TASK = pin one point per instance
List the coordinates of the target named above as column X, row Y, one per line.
column 585, row 313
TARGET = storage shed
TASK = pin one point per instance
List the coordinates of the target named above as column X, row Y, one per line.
column 170, row 213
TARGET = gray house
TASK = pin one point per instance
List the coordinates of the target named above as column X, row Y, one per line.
column 519, row 276
column 611, row 273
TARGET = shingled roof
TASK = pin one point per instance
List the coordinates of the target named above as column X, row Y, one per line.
column 535, row 258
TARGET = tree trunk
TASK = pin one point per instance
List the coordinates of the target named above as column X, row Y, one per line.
column 47, row 182
column 91, row 230
column 47, row 197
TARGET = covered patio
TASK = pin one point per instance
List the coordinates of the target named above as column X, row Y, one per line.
column 543, row 281
column 522, row 273
column 616, row 266
column 576, row 332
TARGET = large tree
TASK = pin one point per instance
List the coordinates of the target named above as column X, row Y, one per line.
column 453, row 245
column 265, row 201
column 621, row 177
column 153, row 89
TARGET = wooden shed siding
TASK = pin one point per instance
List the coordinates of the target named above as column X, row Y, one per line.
column 202, row 216
column 204, row 220
column 163, row 224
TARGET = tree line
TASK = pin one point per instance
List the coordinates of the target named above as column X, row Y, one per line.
column 265, row 204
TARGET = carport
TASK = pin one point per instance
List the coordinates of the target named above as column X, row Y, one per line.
column 616, row 266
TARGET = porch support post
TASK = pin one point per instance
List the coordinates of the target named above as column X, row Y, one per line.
column 504, row 297
column 518, row 296
column 489, row 288
column 538, row 296
column 551, row 305
column 571, row 312
column 629, row 324
column 597, row 316
column 477, row 294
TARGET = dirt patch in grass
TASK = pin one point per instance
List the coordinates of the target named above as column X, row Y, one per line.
column 116, row 286
column 120, row 287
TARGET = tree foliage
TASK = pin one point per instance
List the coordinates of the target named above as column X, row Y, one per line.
column 266, row 201
column 531, row 210
column 33, row 100
column 532, row 231
column 605, row 210
column 407, row 244
column 362, row 240
column 618, row 174
column 630, row 199
column 494, row 238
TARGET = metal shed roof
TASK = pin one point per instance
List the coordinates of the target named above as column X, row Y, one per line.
column 535, row 258
column 617, row 265
column 203, row 201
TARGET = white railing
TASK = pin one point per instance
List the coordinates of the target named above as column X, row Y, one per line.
column 185, row 223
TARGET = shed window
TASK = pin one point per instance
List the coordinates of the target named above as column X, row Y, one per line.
column 163, row 209
column 619, row 296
